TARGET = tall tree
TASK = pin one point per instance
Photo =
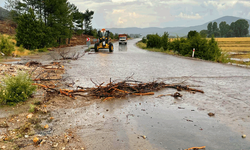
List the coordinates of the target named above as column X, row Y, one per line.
column 224, row 29
column 210, row 29
column 164, row 40
column 58, row 16
column 32, row 33
column 192, row 34
column 87, row 21
column 241, row 28
column 232, row 30
column 203, row 33
column 216, row 30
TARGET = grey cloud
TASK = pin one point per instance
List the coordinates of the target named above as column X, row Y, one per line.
column 145, row 13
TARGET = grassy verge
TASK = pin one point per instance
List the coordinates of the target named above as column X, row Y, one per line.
column 91, row 47
column 21, row 51
column 144, row 46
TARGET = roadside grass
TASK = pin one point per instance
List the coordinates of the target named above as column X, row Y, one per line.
column 144, row 46
column 91, row 47
column 20, row 51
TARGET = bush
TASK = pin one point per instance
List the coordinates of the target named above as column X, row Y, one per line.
column 154, row 40
column 16, row 89
column 6, row 46
column 224, row 58
column 204, row 49
column 144, row 40
column 43, row 49
column 21, row 49
column 192, row 34
column 164, row 41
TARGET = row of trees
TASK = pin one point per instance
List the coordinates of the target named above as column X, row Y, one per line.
column 44, row 23
column 235, row 29
column 204, row 49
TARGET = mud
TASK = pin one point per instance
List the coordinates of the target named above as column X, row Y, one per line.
column 148, row 122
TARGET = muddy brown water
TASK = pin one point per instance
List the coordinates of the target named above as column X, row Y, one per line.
column 165, row 123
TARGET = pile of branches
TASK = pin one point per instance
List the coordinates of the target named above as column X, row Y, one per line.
column 120, row 89
column 130, row 87
column 70, row 55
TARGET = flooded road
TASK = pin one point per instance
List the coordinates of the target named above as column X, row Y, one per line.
column 147, row 122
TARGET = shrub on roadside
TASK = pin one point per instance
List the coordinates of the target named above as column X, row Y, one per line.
column 43, row 49
column 153, row 41
column 224, row 58
column 165, row 41
column 144, row 40
column 21, row 49
column 16, row 89
column 6, row 46
column 204, row 49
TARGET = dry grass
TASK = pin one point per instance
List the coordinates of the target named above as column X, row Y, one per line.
column 18, row 50
column 235, row 49
column 240, row 46
column 233, row 39
column 141, row 45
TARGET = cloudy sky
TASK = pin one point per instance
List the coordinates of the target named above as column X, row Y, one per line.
column 160, row 13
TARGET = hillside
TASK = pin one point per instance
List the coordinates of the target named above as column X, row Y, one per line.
column 3, row 13
column 180, row 31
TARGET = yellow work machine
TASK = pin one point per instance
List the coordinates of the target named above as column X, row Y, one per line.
column 104, row 41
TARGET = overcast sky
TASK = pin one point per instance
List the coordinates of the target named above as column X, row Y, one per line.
column 160, row 13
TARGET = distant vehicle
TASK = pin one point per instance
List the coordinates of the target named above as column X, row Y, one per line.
column 123, row 39
column 104, row 41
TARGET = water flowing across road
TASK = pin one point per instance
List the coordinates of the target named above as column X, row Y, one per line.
column 147, row 122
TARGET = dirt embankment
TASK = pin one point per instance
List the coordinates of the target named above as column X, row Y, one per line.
column 80, row 40
column 7, row 27
column 29, row 125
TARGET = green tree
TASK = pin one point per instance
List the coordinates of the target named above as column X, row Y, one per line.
column 32, row 33
column 192, row 34
column 216, row 31
column 59, row 15
column 111, row 35
column 116, row 36
column 87, row 21
column 232, row 30
column 210, row 29
column 203, row 33
column 241, row 28
column 164, row 40
column 224, row 29
column 213, row 52
column 153, row 40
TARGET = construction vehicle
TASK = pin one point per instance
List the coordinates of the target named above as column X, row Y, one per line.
column 104, row 41
column 123, row 39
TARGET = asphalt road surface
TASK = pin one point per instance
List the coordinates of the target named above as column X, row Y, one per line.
column 147, row 122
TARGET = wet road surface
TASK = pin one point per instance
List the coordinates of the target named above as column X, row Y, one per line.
column 167, row 123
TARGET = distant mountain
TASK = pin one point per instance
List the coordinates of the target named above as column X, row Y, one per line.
column 180, row 31
column 3, row 13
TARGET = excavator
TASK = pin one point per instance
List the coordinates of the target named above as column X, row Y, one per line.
column 104, row 41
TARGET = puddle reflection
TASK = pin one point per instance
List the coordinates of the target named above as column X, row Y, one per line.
column 122, row 47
